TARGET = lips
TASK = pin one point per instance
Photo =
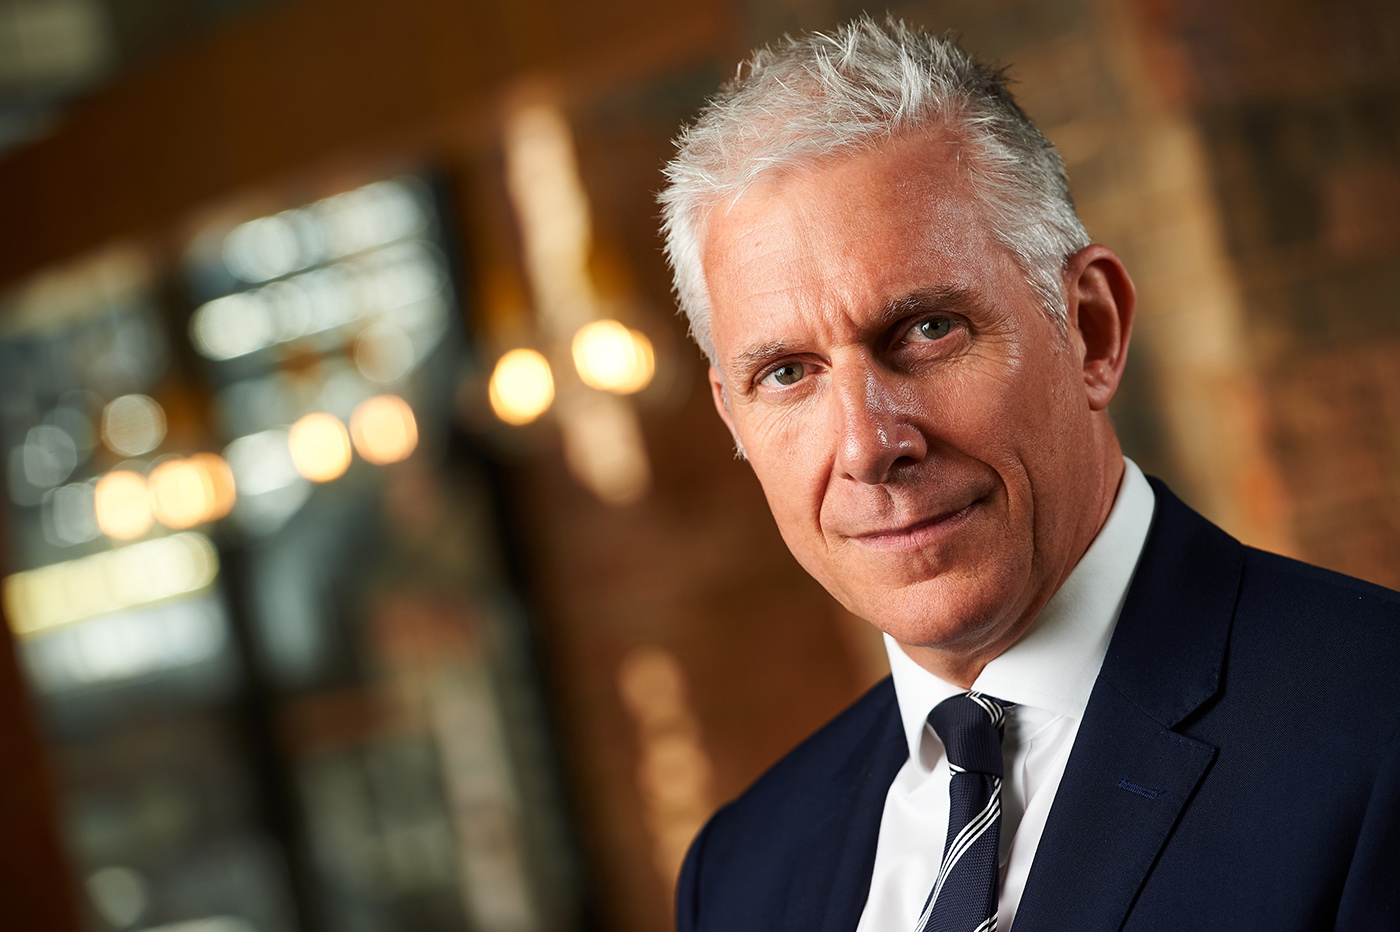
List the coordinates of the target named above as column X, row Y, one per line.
column 917, row 534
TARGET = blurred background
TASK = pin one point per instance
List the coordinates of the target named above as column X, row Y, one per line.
column 372, row 557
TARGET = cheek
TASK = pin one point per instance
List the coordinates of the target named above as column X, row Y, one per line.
column 789, row 455
column 983, row 411
column 1048, row 424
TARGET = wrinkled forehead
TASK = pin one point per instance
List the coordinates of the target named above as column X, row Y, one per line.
column 914, row 169
column 834, row 242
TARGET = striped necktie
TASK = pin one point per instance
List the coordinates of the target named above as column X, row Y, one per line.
column 964, row 896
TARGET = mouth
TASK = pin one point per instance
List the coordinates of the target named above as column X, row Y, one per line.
column 916, row 535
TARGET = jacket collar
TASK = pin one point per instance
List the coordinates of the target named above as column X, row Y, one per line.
column 1168, row 650
column 1129, row 776
column 831, row 880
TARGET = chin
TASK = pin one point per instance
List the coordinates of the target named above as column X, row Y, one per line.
column 955, row 614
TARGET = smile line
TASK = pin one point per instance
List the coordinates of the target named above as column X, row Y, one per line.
column 903, row 536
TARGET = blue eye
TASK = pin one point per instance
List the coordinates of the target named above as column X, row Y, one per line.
column 935, row 328
column 787, row 374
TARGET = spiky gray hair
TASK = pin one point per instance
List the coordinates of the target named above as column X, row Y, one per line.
column 819, row 94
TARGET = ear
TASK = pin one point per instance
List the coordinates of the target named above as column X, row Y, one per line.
column 721, row 400
column 1099, row 304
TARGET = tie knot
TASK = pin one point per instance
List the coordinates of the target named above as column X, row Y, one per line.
column 970, row 727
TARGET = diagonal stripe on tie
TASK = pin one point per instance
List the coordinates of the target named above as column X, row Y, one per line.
column 967, row 837
column 964, row 894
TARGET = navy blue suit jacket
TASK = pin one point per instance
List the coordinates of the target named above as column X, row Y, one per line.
column 1237, row 768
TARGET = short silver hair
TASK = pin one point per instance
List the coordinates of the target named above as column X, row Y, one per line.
column 819, row 94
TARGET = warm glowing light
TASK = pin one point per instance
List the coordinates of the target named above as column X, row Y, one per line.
column 133, row 424
column 522, row 387
column 218, row 479
column 652, row 684
column 123, row 505
column 103, row 583
column 187, row 492
column 320, row 447
column 178, row 496
column 603, row 447
column 384, row 429
column 552, row 207
column 608, row 356
column 674, row 771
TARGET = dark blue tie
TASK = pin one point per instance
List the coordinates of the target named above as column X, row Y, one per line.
column 964, row 896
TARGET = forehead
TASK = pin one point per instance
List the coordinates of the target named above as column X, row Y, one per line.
column 846, row 235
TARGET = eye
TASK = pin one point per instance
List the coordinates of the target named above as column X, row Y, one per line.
column 934, row 328
column 789, row 373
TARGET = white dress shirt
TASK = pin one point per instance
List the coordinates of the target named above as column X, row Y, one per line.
column 1049, row 674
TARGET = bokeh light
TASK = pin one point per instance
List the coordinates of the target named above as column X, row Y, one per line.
column 178, row 497
column 49, row 456
column 366, row 217
column 72, row 416
column 218, row 478
column 613, row 358
column 123, row 505
column 72, row 515
column 271, row 246
column 320, row 447
column 140, row 574
column 120, row 894
column 400, row 284
column 384, row 429
column 232, row 326
column 384, row 352
column 261, row 462
column 522, row 387
column 133, row 425
column 186, row 492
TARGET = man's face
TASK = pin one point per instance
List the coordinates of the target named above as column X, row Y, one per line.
column 919, row 426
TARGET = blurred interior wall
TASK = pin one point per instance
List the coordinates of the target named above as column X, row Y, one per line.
column 303, row 86
column 1244, row 159
column 37, row 888
column 1298, row 108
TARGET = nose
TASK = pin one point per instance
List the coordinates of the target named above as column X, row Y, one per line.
column 875, row 434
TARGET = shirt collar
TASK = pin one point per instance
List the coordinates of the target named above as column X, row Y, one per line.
column 1054, row 664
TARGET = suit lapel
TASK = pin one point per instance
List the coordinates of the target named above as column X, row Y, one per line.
column 1126, row 784
column 1130, row 776
column 831, row 879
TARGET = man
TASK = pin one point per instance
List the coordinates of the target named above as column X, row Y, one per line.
column 1105, row 713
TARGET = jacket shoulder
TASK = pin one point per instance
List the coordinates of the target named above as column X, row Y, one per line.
column 1294, row 575
column 743, row 867
column 1322, row 629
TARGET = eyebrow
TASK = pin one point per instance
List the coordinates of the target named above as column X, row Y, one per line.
column 925, row 301
column 756, row 356
column 913, row 304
